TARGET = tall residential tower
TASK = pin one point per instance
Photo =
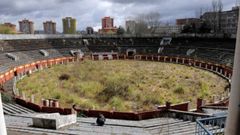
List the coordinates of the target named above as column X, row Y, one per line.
column 26, row 27
column 108, row 26
column 69, row 25
column 49, row 27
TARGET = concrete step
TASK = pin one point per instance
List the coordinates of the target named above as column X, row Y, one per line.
column 169, row 123
column 178, row 130
column 181, row 131
column 20, row 108
column 8, row 111
column 11, row 108
column 24, row 108
column 181, row 127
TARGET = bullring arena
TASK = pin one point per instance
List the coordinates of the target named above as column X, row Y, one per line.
column 177, row 79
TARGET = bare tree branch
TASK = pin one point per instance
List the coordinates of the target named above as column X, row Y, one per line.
column 147, row 23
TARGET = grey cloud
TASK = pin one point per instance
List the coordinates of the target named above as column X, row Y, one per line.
column 90, row 12
column 135, row 1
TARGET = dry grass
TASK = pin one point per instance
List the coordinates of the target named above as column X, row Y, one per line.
column 122, row 85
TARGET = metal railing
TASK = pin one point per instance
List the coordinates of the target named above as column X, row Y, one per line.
column 211, row 126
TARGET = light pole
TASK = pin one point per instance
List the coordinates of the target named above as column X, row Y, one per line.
column 233, row 118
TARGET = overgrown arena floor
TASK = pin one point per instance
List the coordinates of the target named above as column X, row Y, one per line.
column 121, row 85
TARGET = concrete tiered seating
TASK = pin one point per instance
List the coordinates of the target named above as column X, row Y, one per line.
column 102, row 48
column 227, row 59
column 28, row 50
column 84, row 126
column 170, row 126
column 4, row 59
column 12, row 108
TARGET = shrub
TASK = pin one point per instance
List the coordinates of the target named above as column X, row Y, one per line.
column 88, row 105
column 57, row 95
column 6, row 98
column 88, row 88
column 64, row 77
column 116, row 86
column 179, row 90
column 151, row 99
column 116, row 102
column 204, row 90
column 70, row 100
column 6, row 30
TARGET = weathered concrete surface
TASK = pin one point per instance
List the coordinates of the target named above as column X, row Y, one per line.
column 38, row 36
column 87, row 126
column 53, row 121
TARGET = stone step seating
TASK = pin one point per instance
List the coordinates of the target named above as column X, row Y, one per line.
column 144, row 41
column 4, row 46
column 176, row 128
column 21, row 45
column 34, row 54
column 172, row 51
column 54, row 53
column 227, row 59
column 146, row 50
column 170, row 126
column 84, row 49
column 30, row 56
column 159, row 126
column 8, row 86
column 3, row 68
column 86, row 126
column 112, row 126
column 12, row 108
column 102, row 48
column 5, row 59
column 23, row 57
column 5, row 62
column 209, row 54
column 65, row 51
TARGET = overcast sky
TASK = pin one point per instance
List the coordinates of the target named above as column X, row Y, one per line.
column 90, row 12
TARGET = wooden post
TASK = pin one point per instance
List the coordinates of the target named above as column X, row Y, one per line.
column 32, row 98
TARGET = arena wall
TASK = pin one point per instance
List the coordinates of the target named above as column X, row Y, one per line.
column 25, row 69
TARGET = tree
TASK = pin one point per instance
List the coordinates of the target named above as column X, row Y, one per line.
column 128, row 31
column 204, row 28
column 147, row 23
column 120, row 30
column 6, row 30
column 141, row 25
column 189, row 28
column 199, row 13
column 153, row 21
column 220, row 7
column 217, row 7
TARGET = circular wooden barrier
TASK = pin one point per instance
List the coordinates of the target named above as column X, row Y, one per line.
column 29, row 68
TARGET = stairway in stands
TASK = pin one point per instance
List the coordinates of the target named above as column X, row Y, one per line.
column 157, row 126
column 170, row 126
column 13, row 108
